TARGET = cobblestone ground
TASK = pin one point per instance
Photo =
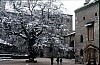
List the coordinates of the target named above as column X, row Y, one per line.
column 40, row 61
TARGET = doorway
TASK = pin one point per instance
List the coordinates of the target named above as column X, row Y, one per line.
column 91, row 54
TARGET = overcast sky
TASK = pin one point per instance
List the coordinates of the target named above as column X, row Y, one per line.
column 71, row 5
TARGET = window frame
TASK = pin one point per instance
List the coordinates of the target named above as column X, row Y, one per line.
column 84, row 18
column 96, row 14
column 90, row 33
column 81, row 52
column 81, row 38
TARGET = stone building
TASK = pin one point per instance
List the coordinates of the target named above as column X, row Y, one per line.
column 2, row 5
column 69, row 40
column 60, row 25
column 48, row 53
column 87, row 32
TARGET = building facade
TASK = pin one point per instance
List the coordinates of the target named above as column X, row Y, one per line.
column 87, row 33
column 59, row 26
column 69, row 40
column 2, row 5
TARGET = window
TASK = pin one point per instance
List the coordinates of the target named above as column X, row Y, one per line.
column 72, row 44
column 0, row 35
column 95, row 14
column 90, row 33
column 81, row 52
column 81, row 38
column 67, row 20
column 83, row 18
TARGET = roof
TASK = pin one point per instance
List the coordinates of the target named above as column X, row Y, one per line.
column 70, row 34
column 90, row 46
column 89, row 23
column 86, row 6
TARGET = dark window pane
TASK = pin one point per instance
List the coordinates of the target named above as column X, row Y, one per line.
column 95, row 14
column 81, row 38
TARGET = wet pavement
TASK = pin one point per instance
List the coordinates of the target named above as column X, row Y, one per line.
column 40, row 61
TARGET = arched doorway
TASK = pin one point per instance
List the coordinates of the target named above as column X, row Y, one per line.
column 91, row 54
column 71, row 52
column 81, row 52
column 72, row 43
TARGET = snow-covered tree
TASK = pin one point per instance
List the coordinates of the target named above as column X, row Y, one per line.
column 31, row 18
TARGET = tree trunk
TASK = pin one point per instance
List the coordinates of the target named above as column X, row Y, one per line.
column 32, row 53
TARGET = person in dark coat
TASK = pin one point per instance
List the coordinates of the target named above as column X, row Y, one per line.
column 52, row 60
column 57, row 60
column 61, row 60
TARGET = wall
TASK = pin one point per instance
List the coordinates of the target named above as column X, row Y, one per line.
column 89, row 13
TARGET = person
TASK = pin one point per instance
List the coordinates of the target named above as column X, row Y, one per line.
column 57, row 60
column 52, row 60
column 61, row 60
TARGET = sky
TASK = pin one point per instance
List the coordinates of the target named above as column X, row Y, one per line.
column 71, row 6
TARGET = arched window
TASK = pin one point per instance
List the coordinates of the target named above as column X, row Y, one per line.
column 81, row 38
column 81, row 52
column 72, row 44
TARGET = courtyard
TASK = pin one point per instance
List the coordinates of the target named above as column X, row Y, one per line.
column 40, row 61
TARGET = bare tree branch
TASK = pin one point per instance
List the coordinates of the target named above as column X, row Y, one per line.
column 40, row 32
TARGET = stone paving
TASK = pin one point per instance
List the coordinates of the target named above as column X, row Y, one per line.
column 40, row 61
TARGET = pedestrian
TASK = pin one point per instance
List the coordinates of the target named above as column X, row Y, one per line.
column 57, row 60
column 52, row 60
column 60, row 60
